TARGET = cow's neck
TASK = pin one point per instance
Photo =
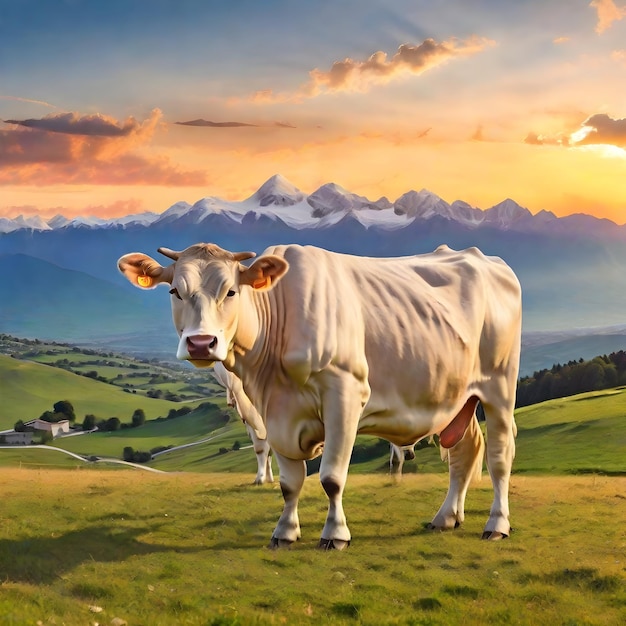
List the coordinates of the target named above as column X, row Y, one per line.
column 255, row 342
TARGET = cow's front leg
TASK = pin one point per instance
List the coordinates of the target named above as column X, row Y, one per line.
column 292, row 475
column 342, row 408
column 264, row 463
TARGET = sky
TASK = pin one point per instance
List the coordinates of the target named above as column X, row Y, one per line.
column 118, row 107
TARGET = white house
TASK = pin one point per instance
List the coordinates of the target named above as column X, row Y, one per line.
column 56, row 428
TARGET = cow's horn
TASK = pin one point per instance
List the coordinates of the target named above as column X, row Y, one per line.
column 242, row 256
column 170, row 254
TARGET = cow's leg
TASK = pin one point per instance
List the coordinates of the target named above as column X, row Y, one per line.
column 269, row 475
column 264, row 464
column 465, row 460
column 292, row 475
column 396, row 460
column 342, row 409
column 501, row 433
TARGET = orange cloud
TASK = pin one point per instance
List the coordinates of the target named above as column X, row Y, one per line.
column 360, row 76
column 608, row 13
column 93, row 149
column 601, row 129
column 598, row 129
column 535, row 139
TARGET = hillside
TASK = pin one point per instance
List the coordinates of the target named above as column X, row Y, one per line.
column 577, row 435
column 41, row 299
column 28, row 389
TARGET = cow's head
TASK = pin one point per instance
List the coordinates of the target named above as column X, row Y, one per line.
column 206, row 283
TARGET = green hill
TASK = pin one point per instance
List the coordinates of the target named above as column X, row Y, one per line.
column 28, row 389
column 579, row 434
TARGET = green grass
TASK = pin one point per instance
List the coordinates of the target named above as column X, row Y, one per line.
column 196, row 425
column 28, row 389
column 586, row 432
column 189, row 549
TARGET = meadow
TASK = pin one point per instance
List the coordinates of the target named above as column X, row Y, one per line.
column 89, row 546
column 85, row 544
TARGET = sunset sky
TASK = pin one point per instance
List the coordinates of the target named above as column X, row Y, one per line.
column 477, row 100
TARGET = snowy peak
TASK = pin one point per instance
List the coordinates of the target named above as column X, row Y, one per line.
column 34, row 222
column 58, row 221
column 277, row 191
column 332, row 198
column 422, row 204
column 506, row 213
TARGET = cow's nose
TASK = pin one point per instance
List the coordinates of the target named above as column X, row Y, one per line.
column 199, row 346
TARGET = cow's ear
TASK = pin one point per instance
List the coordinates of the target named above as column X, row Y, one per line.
column 143, row 271
column 264, row 272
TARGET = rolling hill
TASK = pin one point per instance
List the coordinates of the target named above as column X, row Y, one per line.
column 28, row 389
column 580, row 434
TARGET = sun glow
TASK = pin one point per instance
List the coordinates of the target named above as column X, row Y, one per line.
column 581, row 134
column 605, row 150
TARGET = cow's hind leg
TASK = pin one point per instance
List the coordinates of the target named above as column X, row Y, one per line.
column 292, row 475
column 501, row 431
column 465, row 461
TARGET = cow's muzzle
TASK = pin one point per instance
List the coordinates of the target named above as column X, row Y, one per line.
column 201, row 346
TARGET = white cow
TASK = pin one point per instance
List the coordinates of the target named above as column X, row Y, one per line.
column 398, row 455
column 237, row 399
column 331, row 345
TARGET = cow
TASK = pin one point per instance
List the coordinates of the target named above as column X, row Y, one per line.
column 237, row 399
column 330, row 345
column 397, row 456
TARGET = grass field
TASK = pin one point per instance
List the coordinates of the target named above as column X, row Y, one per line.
column 87, row 546
column 81, row 544
column 28, row 389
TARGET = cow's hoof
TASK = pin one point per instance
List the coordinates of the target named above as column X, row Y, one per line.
column 493, row 536
column 279, row 544
column 332, row 544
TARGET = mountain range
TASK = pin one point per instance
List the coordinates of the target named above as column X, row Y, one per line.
column 280, row 200
column 571, row 268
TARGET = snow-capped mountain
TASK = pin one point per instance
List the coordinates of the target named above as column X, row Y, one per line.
column 282, row 202
column 34, row 222
column 278, row 191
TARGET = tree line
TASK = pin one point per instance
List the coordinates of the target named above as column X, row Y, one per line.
column 64, row 410
column 561, row 380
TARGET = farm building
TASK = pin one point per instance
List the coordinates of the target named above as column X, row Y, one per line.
column 13, row 438
column 56, row 428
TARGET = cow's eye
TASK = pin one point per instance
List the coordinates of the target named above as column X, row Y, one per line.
column 231, row 293
column 174, row 292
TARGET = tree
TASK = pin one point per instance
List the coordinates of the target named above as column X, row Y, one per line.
column 139, row 418
column 128, row 454
column 89, row 423
column 113, row 423
column 46, row 437
column 65, row 406
column 19, row 426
